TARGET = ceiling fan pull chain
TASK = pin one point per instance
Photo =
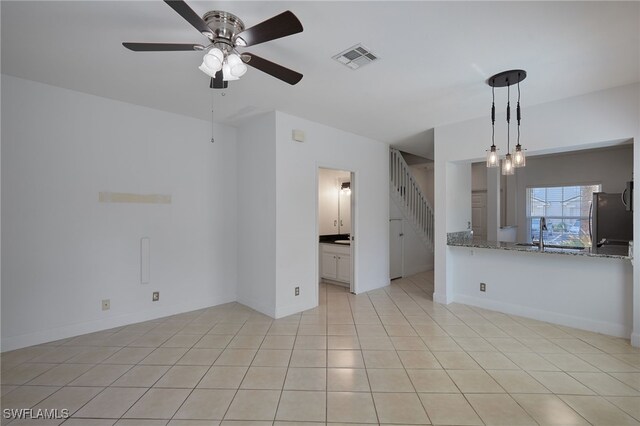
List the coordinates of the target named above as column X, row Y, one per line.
column 212, row 140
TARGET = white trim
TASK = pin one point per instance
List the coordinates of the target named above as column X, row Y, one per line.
column 64, row 332
column 352, row 249
column 402, row 272
column 257, row 305
column 353, row 285
column 440, row 298
column 292, row 309
column 417, row 269
column 635, row 340
column 581, row 323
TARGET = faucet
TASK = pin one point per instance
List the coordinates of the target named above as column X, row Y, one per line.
column 543, row 227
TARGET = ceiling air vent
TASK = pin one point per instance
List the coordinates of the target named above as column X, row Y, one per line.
column 355, row 57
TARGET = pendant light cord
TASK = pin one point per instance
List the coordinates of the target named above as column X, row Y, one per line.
column 508, row 115
column 518, row 116
column 493, row 116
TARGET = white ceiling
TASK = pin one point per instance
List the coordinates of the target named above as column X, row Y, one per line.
column 435, row 57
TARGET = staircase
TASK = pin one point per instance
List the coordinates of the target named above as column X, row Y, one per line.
column 412, row 202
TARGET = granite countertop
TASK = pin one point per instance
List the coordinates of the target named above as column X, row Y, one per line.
column 465, row 239
column 331, row 239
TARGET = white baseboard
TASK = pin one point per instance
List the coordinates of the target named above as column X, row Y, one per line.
column 588, row 324
column 416, row 269
column 635, row 340
column 257, row 305
column 293, row 309
column 72, row 330
column 440, row 298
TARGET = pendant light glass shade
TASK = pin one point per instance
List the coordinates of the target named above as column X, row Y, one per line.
column 507, row 165
column 519, row 159
column 492, row 157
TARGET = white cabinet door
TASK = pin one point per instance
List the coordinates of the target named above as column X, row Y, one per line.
column 345, row 212
column 344, row 268
column 329, row 268
column 327, row 203
column 395, row 248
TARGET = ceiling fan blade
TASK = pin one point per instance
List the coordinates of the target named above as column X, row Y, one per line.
column 271, row 68
column 190, row 16
column 162, row 47
column 218, row 82
column 279, row 26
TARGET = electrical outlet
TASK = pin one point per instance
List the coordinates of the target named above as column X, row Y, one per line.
column 106, row 304
column 483, row 287
column 156, row 296
column 297, row 291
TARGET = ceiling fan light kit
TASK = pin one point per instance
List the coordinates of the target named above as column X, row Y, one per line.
column 225, row 31
column 510, row 162
column 212, row 62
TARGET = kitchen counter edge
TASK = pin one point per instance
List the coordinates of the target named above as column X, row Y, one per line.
column 464, row 239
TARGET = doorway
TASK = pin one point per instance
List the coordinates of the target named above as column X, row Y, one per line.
column 336, row 240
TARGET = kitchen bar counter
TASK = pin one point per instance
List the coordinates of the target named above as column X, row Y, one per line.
column 465, row 239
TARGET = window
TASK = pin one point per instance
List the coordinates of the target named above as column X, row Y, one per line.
column 566, row 209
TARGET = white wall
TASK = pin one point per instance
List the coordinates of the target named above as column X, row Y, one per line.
column 296, row 213
column 63, row 251
column 597, row 297
column 256, row 226
column 569, row 124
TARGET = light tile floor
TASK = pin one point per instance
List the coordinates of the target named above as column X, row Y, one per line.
column 390, row 356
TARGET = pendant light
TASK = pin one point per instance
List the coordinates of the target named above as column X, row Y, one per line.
column 509, row 162
column 492, row 153
column 519, row 159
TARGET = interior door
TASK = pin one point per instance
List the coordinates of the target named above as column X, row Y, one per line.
column 395, row 248
column 479, row 214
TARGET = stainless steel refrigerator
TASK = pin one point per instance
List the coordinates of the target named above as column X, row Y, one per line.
column 611, row 220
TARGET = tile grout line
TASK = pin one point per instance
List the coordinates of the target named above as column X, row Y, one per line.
column 275, row 414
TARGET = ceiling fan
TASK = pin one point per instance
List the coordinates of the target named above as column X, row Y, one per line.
column 226, row 32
